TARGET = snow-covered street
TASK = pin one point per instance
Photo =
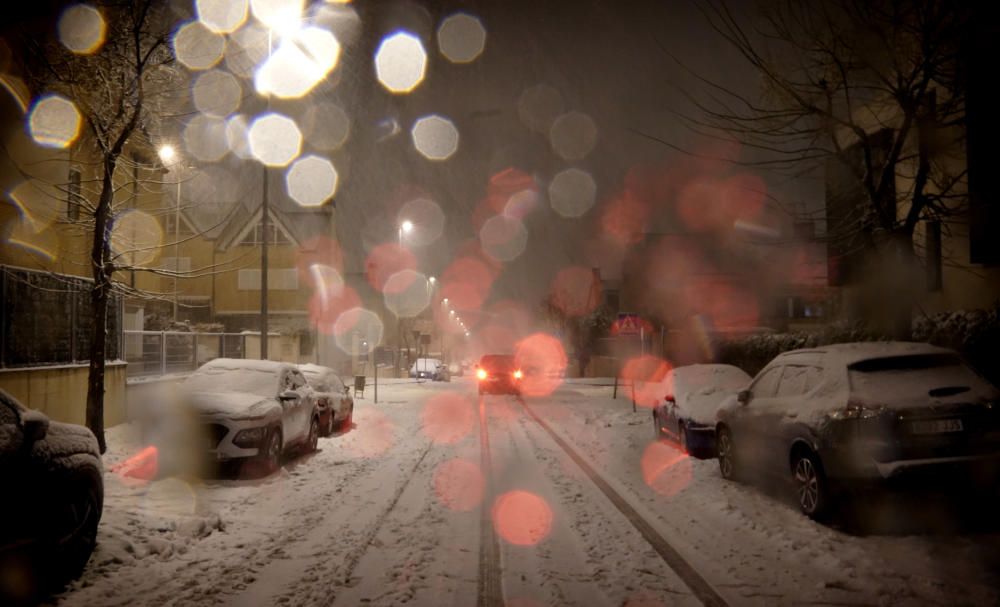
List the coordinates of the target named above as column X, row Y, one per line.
column 439, row 497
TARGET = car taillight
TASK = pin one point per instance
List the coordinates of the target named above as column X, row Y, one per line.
column 517, row 374
column 481, row 374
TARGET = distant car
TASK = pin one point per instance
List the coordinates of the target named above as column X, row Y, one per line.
column 333, row 398
column 836, row 416
column 498, row 374
column 252, row 410
column 456, row 370
column 52, row 501
column 694, row 394
column 430, row 368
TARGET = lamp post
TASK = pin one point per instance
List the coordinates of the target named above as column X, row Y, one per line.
column 167, row 155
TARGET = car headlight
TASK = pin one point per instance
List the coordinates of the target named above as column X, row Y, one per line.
column 251, row 437
column 518, row 374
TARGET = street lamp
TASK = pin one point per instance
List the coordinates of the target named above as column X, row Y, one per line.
column 168, row 154
column 404, row 228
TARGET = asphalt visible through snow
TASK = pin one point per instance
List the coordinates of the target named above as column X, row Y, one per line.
column 437, row 496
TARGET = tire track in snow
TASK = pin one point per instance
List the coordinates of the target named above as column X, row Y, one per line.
column 698, row 585
column 490, row 589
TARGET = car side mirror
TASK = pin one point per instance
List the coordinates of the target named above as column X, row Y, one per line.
column 288, row 395
column 35, row 426
column 743, row 396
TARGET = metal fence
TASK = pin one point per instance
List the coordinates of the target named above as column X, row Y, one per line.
column 163, row 352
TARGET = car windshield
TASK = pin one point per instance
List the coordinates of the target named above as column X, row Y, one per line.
column 916, row 378
column 497, row 363
column 233, row 379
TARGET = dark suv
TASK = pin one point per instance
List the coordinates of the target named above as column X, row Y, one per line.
column 498, row 374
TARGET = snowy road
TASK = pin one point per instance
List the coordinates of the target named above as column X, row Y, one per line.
column 439, row 497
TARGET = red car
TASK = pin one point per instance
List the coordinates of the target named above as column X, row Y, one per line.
column 498, row 374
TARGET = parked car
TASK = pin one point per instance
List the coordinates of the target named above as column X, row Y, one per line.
column 252, row 410
column 694, row 394
column 333, row 398
column 833, row 417
column 456, row 370
column 52, row 501
column 429, row 368
column 498, row 374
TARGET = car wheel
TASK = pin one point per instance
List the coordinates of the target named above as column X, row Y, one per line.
column 83, row 513
column 657, row 431
column 272, row 450
column 811, row 489
column 349, row 420
column 312, row 443
column 331, row 425
column 727, row 459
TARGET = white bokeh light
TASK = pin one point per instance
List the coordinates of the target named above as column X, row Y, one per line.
column 572, row 192
column 311, row 181
column 503, row 238
column 328, row 126
column 282, row 16
column 54, row 122
column 538, row 107
column 205, row 138
column 425, row 213
column 358, row 330
column 222, row 16
column 461, row 38
column 217, row 93
column 236, row 136
column 197, row 47
column 407, row 293
column 435, row 137
column 82, row 29
column 299, row 64
column 275, row 140
column 401, row 62
column 573, row 135
column 246, row 50
column 136, row 236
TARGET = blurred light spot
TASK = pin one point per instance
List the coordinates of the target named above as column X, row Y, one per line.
column 330, row 299
column 543, row 361
column 624, row 220
column 299, row 64
column 275, row 140
column 17, row 89
column 236, row 137
column 644, row 378
column 222, row 16
column 327, row 124
column 373, row 435
column 311, row 181
column 503, row 238
column 197, row 47
column 281, row 16
column 522, row 518
column 246, row 50
column 426, row 214
column 358, row 330
column 466, row 283
column 572, row 192
column 756, row 229
column 665, row 468
column 82, row 29
column 407, row 293
column 400, row 62
column 340, row 19
column 54, row 122
column 576, row 291
column 521, row 204
column 317, row 253
column 447, row 418
column 142, row 466
column 538, row 107
column 217, row 93
column 573, row 136
column 135, row 238
column 459, row 485
column 205, row 138
column 435, row 137
column 461, row 38
column 384, row 261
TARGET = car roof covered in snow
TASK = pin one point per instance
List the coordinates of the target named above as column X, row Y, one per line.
column 248, row 364
column 314, row 370
column 852, row 353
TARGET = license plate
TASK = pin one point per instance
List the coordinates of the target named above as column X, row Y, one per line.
column 937, row 426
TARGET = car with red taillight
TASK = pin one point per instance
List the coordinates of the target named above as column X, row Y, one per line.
column 498, row 374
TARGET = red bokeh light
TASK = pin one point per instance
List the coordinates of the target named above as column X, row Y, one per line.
column 522, row 518
column 447, row 418
column 385, row 260
column 576, row 291
column 373, row 435
column 318, row 251
column 466, row 283
column 665, row 468
column 543, row 361
column 143, row 466
column 459, row 485
column 624, row 219
column 711, row 204
column 495, row 339
column 645, row 376
column 726, row 305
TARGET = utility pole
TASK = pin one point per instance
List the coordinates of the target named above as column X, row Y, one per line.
column 263, row 237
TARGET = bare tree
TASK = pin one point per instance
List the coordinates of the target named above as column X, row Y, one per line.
column 866, row 91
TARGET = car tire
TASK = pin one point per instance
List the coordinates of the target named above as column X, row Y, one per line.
column 331, row 424
column 657, row 431
column 85, row 506
column 348, row 420
column 271, row 458
column 726, row 454
column 312, row 441
column 812, row 491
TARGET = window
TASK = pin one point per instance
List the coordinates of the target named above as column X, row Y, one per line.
column 275, row 235
column 74, row 197
column 184, row 229
column 277, row 280
column 766, row 386
column 798, row 380
column 176, row 264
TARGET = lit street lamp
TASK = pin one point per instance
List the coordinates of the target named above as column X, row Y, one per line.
column 404, row 228
column 167, row 155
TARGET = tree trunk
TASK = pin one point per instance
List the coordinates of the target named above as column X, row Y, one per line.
column 903, row 296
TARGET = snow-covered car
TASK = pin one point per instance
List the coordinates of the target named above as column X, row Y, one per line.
column 52, row 502
column 694, row 394
column 429, row 368
column 498, row 374
column 252, row 409
column 831, row 417
column 333, row 398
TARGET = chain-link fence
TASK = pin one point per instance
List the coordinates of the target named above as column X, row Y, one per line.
column 164, row 352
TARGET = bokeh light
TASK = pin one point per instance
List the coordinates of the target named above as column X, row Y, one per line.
column 197, row 47
column 401, row 62
column 282, row 16
column 624, row 219
column 82, row 29
column 407, row 293
column 222, row 16
column 645, row 378
column 205, row 138
column 373, row 435
column 54, row 122
column 709, row 204
column 358, row 329
column 299, row 64
column 666, row 469
column 135, row 238
column 275, row 140
column 237, row 132
column 330, row 299
column 461, row 38
column 459, row 485
column 466, row 283
column 503, row 238
column 539, row 106
column 573, row 136
column 576, row 291
column 522, row 518
column 246, row 49
column 521, row 204
column 217, row 93
column 327, row 124
column 435, row 137
column 385, row 260
column 311, row 181
column 448, row 418
column 572, row 192
column 426, row 214
column 543, row 361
